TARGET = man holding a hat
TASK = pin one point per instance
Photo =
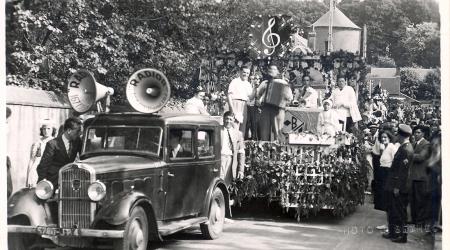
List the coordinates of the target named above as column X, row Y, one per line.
column 396, row 187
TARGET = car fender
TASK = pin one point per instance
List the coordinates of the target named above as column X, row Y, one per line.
column 25, row 203
column 217, row 182
column 117, row 211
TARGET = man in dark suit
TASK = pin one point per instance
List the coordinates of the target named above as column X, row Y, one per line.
column 420, row 187
column 175, row 149
column 60, row 151
column 396, row 187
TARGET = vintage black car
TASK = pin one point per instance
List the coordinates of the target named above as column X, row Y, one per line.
column 139, row 177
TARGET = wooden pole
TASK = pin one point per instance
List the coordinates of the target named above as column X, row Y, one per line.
column 330, row 27
column 364, row 49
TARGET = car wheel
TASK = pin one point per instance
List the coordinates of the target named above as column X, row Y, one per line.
column 17, row 241
column 214, row 227
column 135, row 236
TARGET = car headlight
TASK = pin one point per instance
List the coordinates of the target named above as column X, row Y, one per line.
column 44, row 190
column 97, row 191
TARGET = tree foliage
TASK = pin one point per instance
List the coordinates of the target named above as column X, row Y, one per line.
column 390, row 22
column 49, row 40
column 46, row 40
column 421, row 88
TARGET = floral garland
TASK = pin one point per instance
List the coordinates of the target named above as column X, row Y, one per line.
column 306, row 177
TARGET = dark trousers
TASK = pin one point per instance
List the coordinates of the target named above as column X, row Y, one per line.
column 397, row 216
column 421, row 203
column 270, row 122
column 348, row 124
column 252, row 123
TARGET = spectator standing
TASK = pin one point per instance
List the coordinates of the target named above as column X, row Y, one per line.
column 434, row 169
column 388, row 150
column 396, row 188
column 47, row 133
column 420, row 188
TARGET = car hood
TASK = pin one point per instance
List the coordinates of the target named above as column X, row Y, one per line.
column 120, row 163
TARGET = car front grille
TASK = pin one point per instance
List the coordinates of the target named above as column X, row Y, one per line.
column 75, row 208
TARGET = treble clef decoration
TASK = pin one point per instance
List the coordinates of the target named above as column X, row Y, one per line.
column 268, row 36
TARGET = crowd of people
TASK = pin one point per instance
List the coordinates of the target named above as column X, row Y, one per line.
column 404, row 150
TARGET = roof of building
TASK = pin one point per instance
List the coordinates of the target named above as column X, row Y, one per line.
column 339, row 20
column 35, row 97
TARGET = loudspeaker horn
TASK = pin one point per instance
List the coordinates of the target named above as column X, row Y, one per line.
column 148, row 90
column 84, row 92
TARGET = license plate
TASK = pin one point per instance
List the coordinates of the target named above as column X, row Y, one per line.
column 51, row 231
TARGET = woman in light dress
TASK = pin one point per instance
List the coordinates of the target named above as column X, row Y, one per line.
column 47, row 132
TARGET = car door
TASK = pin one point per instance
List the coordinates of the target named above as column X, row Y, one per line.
column 181, row 179
column 207, row 165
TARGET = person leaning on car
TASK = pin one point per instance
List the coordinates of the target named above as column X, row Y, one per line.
column 233, row 154
column 60, row 151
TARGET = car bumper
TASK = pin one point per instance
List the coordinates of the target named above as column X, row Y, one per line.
column 54, row 231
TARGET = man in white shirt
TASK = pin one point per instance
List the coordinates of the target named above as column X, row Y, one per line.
column 344, row 100
column 310, row 95
column 240, row 91
column 195, row 105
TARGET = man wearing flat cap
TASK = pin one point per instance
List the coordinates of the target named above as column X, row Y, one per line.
column 420, row 188
column 396, row 187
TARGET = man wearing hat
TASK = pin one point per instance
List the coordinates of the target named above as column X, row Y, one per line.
column 420, row 186
column 396, row 187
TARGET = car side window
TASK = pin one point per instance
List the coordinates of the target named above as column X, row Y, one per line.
column 180, row 143
column 205, row 146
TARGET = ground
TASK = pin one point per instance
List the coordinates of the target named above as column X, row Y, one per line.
column 267, row 230
column 263, row 228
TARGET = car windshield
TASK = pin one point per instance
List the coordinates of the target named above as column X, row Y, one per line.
column 123, row 139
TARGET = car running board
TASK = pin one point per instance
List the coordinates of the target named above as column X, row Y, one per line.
column 166, row 228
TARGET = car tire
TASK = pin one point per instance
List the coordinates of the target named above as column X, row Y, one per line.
column 135, row 236
column 18, row 241
column 214, row 227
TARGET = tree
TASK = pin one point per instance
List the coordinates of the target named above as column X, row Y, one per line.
column 432, row 84
column 387, row 22
column 409, row 82
column 420, row 45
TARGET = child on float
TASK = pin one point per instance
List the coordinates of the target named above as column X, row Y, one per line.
column 328, row 121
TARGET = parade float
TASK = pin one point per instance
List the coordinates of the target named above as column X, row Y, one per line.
column 304, row 172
